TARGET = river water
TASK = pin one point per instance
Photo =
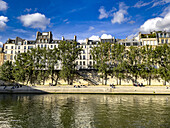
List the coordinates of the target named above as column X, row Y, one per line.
column 84, row 111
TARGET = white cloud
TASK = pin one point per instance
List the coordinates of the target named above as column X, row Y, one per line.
column 3, row 5
column 36, row 20
column 102, row 31
column 20, row 30
column 65, row 20
column 166, row 10
column 131, row 22
column 119, row 16
column 105, row 36
column 93, row 37
column 27, row 10
column 91, row 28
column 140, row 4
column 160, row 2
column 3, row 21
column 1, row 44
column 156, row 24
column 82, row 41
column 103, row 13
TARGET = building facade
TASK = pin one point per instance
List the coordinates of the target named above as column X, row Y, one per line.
column 1, row 56
column 85, row 61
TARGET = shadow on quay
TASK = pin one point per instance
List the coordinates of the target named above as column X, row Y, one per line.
column 19, row 88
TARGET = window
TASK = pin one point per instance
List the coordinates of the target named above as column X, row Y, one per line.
column 80, row 58
column 162, row 41
column 45, row 46
column 164, row 34
column 161, row 35
column 24, row 47
column 90, row 63
column 5, row 58
column 80, row 63
column 5, row 52
column 12, row 47
column 41, row 46
column 83, row 51
column 166, row 41
column 76, row 62
column 51, row 46
column 6, row 47
column 25, row 42
column 127, row 44
column 90, row 57
column 19, row 43
column 84, row 57
column 11, row 52
column 18, row 47
column 11, row 57
column 29, row 47
column 18, row 51
column 84, row 63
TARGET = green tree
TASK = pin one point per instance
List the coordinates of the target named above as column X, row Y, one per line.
column 163, row 62
column 68, row 54
column 52, row 62
column 134, row 62
column 6, row 71
column 118, row 55
column 148, row 66
column 101, row 55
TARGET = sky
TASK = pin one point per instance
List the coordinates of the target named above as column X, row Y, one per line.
column 84, row 18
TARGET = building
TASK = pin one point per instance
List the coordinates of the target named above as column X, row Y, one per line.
column 85, row 61
column 1, row 56
column 129, row 42
column 154, row 38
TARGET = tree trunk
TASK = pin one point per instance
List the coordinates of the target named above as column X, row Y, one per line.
column 56, row 82
column 164, row 82
column 52, row 76
column 120, row 80
column 105, row 79
column 149, row 80
column 136, row 78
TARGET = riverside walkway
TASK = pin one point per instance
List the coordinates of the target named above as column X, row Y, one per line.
column 88, row 90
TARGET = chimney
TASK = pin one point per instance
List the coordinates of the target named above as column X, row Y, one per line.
column 75, row 38
column 63, row 38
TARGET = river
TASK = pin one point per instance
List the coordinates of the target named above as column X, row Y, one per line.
column 84, row 111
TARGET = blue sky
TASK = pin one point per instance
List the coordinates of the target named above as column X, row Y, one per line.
column 84, row 18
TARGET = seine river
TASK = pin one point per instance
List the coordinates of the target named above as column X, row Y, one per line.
column 84, row 111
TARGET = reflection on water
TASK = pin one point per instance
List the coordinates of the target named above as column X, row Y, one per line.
column 84, row 111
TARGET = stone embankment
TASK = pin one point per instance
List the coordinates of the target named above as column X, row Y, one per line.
column 87, row 90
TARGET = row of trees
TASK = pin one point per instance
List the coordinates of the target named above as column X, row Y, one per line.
column 38, row 65
column 130, row 63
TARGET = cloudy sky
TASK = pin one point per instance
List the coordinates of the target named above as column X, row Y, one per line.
column 84, row 18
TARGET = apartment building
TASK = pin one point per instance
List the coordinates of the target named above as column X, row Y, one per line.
column 154, row 38
column 1, row 56
column 85, row 61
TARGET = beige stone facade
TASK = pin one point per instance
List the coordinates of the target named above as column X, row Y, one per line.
column 1, row 57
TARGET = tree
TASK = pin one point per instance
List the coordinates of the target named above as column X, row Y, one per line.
column 6, row 71
column 134, row 62
column 148, row 66
column 68, row 54
column 19, row 71
column 118, row 54
column 52, row 63
column 163, row 62
column 101, row 55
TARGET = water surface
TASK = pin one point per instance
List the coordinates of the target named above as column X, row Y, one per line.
column 84, row 111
